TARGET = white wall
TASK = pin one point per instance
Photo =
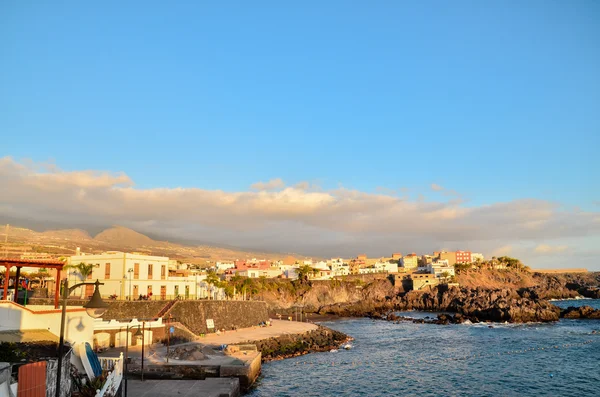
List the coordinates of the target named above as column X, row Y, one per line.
column 79, row 327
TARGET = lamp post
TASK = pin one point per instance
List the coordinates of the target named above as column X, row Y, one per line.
column 94, row 308
column 140, row 335
column 126, row 361
column 130, row 271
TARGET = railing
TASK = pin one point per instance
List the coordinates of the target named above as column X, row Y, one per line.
column 114, row 377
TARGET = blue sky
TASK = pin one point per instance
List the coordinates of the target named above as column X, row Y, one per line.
column 498, row 101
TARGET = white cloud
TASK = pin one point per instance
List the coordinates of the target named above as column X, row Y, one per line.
column 436, row 187
column 549, row 249
column 297, row 218
column 273, row 184
column 505, row 250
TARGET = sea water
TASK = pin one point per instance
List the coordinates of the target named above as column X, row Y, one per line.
column 406, row 359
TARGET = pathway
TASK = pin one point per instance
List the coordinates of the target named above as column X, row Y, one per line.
column 210, row 387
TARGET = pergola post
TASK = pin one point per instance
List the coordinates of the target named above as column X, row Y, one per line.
column 57, row 288
column 6, row 277
column 17, row 283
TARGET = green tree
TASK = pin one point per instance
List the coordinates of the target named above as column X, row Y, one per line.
column 83, row 270
column 212, row 278
column 304, row 272
column 445, row 276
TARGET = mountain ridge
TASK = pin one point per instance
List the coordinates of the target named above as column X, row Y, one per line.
column 64, row 242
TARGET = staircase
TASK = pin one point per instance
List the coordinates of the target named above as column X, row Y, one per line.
column 166, row 309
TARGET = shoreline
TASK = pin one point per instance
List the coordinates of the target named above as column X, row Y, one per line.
column 321, row 339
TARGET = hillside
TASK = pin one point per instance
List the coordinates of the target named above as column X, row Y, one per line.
column 125, row 237
column 118, row 238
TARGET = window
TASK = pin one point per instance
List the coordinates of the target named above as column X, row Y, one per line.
column 107, row 271
column 150, row 272
column 136, row 271
column 163, row 272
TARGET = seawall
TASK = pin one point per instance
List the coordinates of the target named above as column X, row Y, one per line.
column 226, row 315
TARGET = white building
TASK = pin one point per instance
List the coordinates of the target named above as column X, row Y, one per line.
column 291, row 273
column 340, row 270
column 440, row 267
column 321, row 265
column 386, row 267
column 222, row 266
column 127, row 276
column 256, row 272
column 368, row 270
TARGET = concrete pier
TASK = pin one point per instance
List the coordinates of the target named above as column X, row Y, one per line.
column 210, row 387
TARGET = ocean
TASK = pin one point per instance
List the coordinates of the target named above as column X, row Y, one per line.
column 406, row 359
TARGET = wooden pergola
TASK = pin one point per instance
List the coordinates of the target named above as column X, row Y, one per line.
column 8, row 263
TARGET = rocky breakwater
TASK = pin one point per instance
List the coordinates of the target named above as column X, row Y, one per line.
column 583, row 312
column 480, row 304
column 286, row 346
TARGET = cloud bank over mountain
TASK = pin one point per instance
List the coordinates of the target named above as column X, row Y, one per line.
column 299, row 218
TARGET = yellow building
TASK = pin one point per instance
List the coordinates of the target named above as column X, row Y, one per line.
column 410, row 262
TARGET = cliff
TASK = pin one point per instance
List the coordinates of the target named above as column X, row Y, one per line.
column 486, row 295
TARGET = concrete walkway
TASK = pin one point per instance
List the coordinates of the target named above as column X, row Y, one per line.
column 157, row 352
column 278, row 328
column 210, row 387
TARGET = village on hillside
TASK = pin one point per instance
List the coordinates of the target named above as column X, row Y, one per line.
column 138, row 276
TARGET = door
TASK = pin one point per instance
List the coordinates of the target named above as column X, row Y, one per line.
column 32, row 380
column 176, row 291
column 187, row 292
column 136, row 292
column 89, row 291
column 163, row 292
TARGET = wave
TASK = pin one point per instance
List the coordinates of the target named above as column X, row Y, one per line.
column 577, row 298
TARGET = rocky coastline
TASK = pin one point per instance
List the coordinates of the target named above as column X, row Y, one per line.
column 293, row 345
column 582, row 312
column 522, row 297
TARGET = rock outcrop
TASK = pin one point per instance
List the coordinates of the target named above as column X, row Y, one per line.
column 476, row 304
column 583, row 312
column 490, row 295
column 285, row 346
column 486, row 305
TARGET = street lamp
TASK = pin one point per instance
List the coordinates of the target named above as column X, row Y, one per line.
column 94, row 308
column 140, row 336
column 130, row 271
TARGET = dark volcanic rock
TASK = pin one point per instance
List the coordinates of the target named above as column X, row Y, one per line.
column 580, row 312
column 487, row 305
column 285, row 346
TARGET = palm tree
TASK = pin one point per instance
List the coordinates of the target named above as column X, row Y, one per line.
column 303, row 272
column 83, row 269
column 445, row 275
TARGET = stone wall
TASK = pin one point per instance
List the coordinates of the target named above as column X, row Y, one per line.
column 120, row 310
column 192, row 313
column 225, row 314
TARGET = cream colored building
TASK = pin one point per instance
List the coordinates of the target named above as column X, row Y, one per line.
column 129, row 275
column 410, row 262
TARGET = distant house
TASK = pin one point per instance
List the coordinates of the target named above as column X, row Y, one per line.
column 410, row 262
column 396, row 256
column 423, row 280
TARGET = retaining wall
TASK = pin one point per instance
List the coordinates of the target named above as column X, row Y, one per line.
column 225, row 314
